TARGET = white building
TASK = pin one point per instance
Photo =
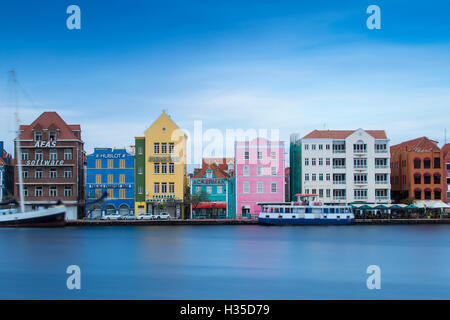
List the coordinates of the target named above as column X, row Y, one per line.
column 343, row 166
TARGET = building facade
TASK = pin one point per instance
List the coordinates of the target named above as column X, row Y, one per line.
column 343, row 166
column 53, row 164
column 161, row 177
column 6, row 175
column 446, row 155
column 295, row 167
column 259, row 175
column 212, row 193
column 111, row 171
column 417, row 168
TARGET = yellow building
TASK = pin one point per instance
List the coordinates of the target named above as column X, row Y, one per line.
column 161, row 177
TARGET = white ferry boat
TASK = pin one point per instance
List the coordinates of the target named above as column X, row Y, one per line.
column 306, row 211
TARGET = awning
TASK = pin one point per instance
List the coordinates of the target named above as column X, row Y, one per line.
column 427, row 190
column 437, row 174
column 437, row 189
column 398, row 206
column 411, row 206
column 210, row 205
column 381, row 206
column 434, row 204
column 416, row 174
column 426, row 159
column 417, row 190
column 427, row 174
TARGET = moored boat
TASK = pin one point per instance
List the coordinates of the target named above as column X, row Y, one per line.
column 306, row 211
column 50, row 217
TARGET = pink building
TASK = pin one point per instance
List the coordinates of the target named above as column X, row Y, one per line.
column 259, row 172
column 446, row 154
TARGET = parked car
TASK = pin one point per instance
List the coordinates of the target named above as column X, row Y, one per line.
column 111, row 217
column 162, row 215
column 144, row 216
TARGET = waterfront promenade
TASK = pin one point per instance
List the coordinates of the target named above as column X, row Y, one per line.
column 241, row 222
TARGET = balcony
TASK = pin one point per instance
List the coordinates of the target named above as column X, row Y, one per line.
column 381, row 198
column 360, row 197
column 360, row 167
column 361, row 182
column 338, row 166
column 381, row 166
column 339, row 197
column 339, row 182
column 381, row 182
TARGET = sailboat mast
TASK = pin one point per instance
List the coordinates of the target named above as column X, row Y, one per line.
column 18, row 149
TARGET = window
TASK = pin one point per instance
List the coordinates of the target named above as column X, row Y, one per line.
column 37, row 135
column 327, row 162
column 164, row 168
column 38, row 192
column 140, row 190
column 416, row 163
column 98, row 178
column 219, row 189
column 437, row 178
column 339, row 178
column 68, row 154
column 360, row 147
column 437, row 194
column 427, row 163
column 24, row 155
column 25, row 191
column 68, row 191
column 121, row 193
column 321, row 193
column 273, row 155
column 381, row 163
column 110, row 179
column 171, row 168
column 273, row 187
column 53, row 192
column 38, row 174
column 380, row 147
column 156, row 167
column 209, row 174
column 198, row 189
column 246, row 155
column 313, row 177
column 122, row 164
column 171, row 147
column 140, row 150
column 328, row 193
column 171, row 187
column 164, row 187
column 38, row 155
column 98, row 164
column 98, row 193
column 53, row 154
column 360, row 194
column 246, row 171
column 260, row 155
column 259, row 171
column 164, row 148
column 306, row 176
column 437, row 163
column 53, row 173
column 328, row 177
column 246, row 187
column 313, row 161
column 313, row 147
column 427, row 194
column 381, row 193
column 418, row 194
column 156, row 187
column 338, row 163
column 360, row 163
column 320, row 161
column 110, row 193
column 273, row 171
column 320, row 176
column 260, row 187
column 417, row 178
column 320, row 146
column 209, row 189
column 52, row 136
column 156, row 148
column 427, row 178
column 306, row 161
column 360, row 178
column 327, row 147
column 339, row 147
column 306, row 146
column 122, row 178
column 140, row 170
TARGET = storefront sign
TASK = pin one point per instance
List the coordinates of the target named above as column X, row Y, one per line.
column 164, row 158
column 209, row 181
column 52, row 163
column 109, row 186
column 110, row 155
column 45, row 144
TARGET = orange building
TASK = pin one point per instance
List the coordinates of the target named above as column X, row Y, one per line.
column 417, row 170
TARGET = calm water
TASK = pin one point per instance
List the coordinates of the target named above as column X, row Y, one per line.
column 226, row 262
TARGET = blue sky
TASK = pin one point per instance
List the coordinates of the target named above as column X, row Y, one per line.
column 295, row 66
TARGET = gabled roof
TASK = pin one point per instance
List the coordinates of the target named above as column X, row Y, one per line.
column 446, row 151
column 217, row 172
column 342, row 134
column 417, row 145
column 222, row 163
column 48, row 120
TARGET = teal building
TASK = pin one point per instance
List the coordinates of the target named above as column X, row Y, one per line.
column 295, row 162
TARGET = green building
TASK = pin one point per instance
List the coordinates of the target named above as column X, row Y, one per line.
column 139, row 172
column 295, row 162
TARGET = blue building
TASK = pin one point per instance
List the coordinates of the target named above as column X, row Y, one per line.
column 6, row 175
column 111, row 171
column 212, row 192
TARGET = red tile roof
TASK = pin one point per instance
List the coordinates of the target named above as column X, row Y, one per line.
column 217, row 172
column 342, row 134
column 446, row 151
column 48, row 120
column 416, row 145
column 221, row 162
